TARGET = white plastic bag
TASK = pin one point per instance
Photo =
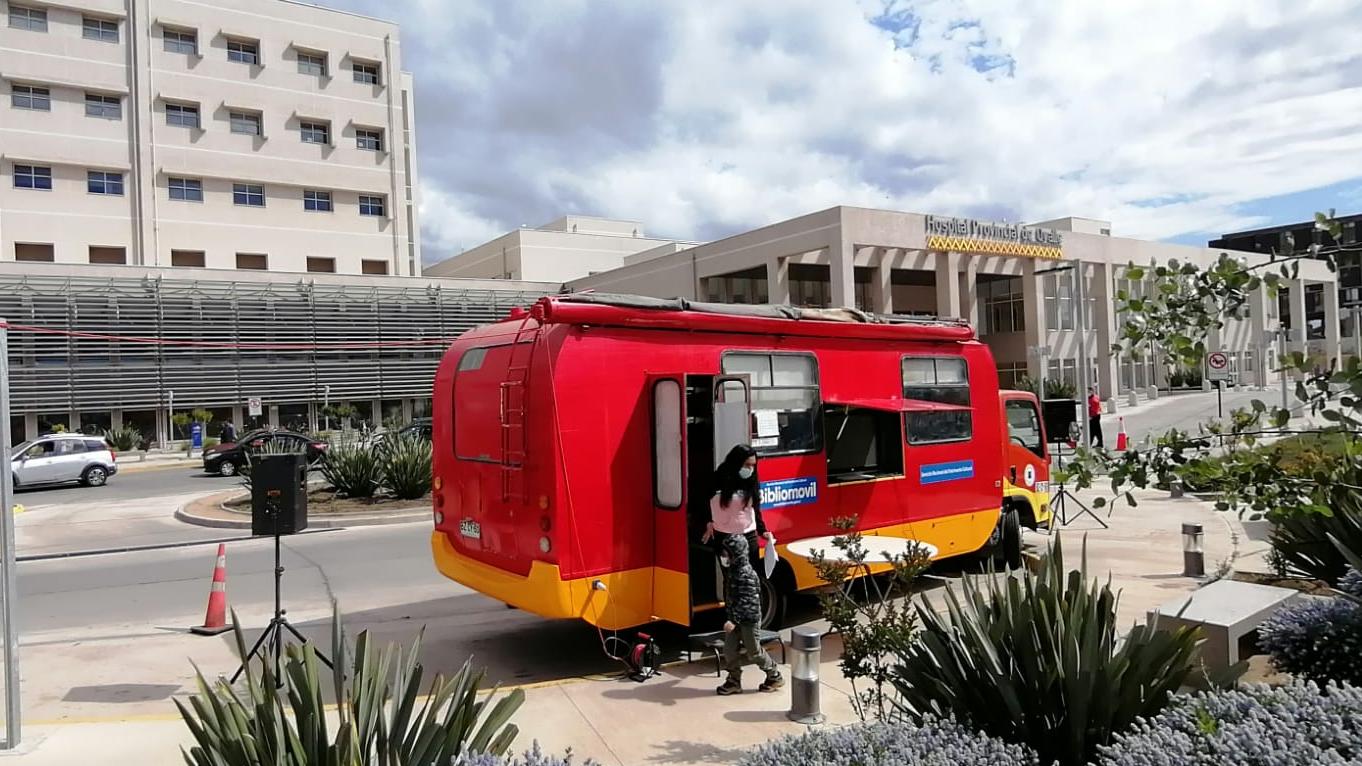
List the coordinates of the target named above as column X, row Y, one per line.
column 770, row 557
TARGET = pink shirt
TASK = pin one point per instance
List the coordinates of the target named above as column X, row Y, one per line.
column 736, row 518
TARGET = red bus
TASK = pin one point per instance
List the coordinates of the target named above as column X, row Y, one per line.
column 574, row 446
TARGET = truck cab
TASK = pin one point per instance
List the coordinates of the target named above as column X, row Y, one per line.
column 1026, row 460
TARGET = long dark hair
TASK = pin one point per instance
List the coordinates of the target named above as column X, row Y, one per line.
column 727, row 480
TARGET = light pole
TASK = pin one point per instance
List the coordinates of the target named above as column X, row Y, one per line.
column 170, row 417
column 326, row 405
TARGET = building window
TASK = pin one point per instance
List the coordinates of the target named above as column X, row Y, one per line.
column 247, row 123
column 252, row 261
column 374, row 267
column 187, row 258
column 1004, row 305
column 104, row 107
column 109, row 256
column 1059, row 301
column 180, row 41
column 30, row 97
column 103, row 30
column 31, row 19
column 1011, row 374
column 371, row 204
column 102, row 182
column 312, row 63
column 784, row 386
column 369, row 139
column 188, row 189
column 183, row 115
column 36, row 252
column 250, row 195
column 315, row 132
column 366, row 72
column 318, row 201
column 32, row 177
column 321, row 265
column 243, row 51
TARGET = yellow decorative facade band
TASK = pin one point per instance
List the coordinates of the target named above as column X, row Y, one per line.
column 993, row 247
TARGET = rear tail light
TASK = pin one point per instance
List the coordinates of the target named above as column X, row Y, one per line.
column 545, row 545
column 113, row 454
column 323, row 446
column 439, row 518
column 545, row 523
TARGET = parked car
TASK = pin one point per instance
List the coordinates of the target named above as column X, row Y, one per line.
column 419, row 426
column 228, row 458
column 60, row 458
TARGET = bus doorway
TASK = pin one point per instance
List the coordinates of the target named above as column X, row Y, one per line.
column 718, row 417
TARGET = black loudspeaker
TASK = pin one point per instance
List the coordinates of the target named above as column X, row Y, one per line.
column 278, row 494
column 1059, row 414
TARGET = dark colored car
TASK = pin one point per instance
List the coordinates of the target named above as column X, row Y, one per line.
column 419, row 426
column 227, row 459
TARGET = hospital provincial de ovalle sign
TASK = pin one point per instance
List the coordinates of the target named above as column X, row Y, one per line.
column 966, row 235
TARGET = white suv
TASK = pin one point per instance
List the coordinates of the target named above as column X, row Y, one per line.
column 57, row 458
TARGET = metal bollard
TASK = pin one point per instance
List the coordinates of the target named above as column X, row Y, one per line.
column 807, row 645
column 1193, row 554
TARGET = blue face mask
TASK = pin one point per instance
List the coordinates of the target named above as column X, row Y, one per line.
column 746, row 472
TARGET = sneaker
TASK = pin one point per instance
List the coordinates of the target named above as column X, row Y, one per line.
column 731, row 686
column 772, row 683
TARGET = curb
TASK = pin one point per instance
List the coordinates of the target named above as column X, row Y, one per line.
column 238, row 520
column 158, row 465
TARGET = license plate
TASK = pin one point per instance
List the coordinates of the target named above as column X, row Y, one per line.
column 1042, row 486
column 470, row 529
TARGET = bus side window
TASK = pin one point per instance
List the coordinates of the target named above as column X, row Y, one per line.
column 944, row 380
column 784, row 388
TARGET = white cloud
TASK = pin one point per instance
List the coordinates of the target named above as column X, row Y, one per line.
column 704, row 118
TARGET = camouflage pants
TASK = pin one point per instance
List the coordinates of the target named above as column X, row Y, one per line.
column 740, row 641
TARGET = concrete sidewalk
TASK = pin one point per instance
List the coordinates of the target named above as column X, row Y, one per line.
column 111, row 695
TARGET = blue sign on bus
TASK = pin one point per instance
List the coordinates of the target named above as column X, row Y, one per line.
column 936, row 473
column 784, row 493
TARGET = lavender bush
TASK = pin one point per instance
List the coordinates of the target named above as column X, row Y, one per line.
column 1318, row 639
column 535, row 756
column 1296, row 725
column 932, row 743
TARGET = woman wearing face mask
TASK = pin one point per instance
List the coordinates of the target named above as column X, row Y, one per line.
column 735, row 508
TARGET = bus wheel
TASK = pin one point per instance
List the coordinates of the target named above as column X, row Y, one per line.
column 1008, row 551
column 775, row 599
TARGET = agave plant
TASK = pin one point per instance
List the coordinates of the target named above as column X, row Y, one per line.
column 1039, row 661
column 381, row 717
column 124, row 439
column 406, row 466
column 353, row 469
column 1302, row 539
column 270, row 447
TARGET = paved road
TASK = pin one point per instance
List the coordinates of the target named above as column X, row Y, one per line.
column 128, row 486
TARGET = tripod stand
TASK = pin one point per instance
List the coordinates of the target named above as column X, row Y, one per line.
column 1060, row 500
column 272, row 639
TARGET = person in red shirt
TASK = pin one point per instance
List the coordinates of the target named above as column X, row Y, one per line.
column 1095, row 416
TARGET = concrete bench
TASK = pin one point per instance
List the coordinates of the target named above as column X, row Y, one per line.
column 713, row 644
column 1228, row 613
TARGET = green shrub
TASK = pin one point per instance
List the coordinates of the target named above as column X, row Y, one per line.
column 1054, row 389
column 353, row 469
column 1301, row 538
column 1296, row 725
column 1038, row 660
column 383, row 718
column 406, row 466
column 125, row 439
column 932, row 743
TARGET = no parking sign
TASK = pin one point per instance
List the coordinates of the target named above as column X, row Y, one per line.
column 1217, row 366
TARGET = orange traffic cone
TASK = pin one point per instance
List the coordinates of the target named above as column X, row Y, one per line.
column 1122, row 441
column 215, row 621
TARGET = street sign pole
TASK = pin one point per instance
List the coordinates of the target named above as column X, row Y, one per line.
column 7, row 563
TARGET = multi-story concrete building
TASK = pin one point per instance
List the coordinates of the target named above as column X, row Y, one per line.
column 1016, row 284
column 255, row 134
column 567, row 248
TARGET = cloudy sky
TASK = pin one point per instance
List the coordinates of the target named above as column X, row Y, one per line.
column 1175, row 120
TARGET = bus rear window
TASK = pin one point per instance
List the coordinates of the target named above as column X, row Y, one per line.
column 477, row 403
column 944, row 380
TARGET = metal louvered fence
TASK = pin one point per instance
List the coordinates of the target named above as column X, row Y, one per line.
column 57, row 378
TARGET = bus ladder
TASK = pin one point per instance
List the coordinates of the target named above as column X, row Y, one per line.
column 514, row 403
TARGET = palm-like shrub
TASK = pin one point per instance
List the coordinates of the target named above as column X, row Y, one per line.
column 406, row 466
column 1296, row 725
column 931, row 743
column 1301, row 538
column 1038, row 660
column 269, row 447
column 353, row 469
column 1318, row 639
column 381, row 717
column 124, row 439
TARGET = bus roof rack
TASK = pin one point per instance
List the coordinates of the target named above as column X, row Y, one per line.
column 767, row 311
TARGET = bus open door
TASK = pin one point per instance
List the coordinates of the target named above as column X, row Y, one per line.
column 696, row 419
column 1026, row 481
